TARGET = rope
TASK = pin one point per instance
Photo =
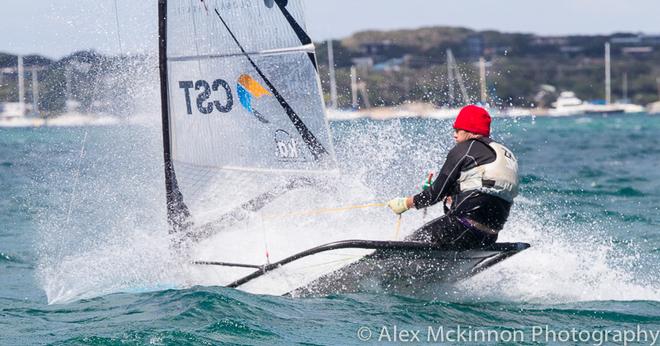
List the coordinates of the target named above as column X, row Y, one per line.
column 346, row 258
column 263, row 230
column 121, row 48
column 397, row 228
column 323, row 210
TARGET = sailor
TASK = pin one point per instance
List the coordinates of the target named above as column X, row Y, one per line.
column 476, row 184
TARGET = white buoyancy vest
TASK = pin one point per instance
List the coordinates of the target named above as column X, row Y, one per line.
column 498, row 178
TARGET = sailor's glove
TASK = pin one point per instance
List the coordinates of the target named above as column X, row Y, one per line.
column 398, row 205
column 426, row 185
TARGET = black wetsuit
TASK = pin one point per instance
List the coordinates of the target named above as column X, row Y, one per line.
column 454, row 228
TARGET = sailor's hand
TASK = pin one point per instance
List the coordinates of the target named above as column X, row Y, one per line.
column 399, row 205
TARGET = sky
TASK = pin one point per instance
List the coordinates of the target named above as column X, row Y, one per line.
column 55, row 28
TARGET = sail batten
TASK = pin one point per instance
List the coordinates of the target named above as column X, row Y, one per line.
column 307, row 49
column 264, row 170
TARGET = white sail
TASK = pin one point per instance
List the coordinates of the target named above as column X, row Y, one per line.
column 245, row 106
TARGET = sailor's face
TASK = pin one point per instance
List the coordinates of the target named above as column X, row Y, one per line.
column 461, row 135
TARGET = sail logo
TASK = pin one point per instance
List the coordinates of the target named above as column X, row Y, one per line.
column 286, row 146
column 248, row 90
column 206, row 90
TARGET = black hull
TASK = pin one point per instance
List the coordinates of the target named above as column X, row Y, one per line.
column 409, row 271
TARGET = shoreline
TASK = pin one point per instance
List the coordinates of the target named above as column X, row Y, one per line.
column 430, row 111
column 412, row 110
column 64, row 120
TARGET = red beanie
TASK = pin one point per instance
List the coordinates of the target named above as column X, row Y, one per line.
column 473, row 119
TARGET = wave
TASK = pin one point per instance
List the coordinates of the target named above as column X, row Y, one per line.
column 530, row 178
column 629, row 192
column 567, row 263
column 215, row 315
column 7, row 258
column 112, row 267
column 624, row 180
column 582, row 192
column 626, row 217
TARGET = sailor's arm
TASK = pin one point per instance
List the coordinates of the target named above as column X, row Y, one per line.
column 448, row 175
column 440, row 188
column 436, row 192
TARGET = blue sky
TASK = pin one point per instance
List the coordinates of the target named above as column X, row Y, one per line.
column 58, row 27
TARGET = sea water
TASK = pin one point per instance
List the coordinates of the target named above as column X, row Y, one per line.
column 84, row 257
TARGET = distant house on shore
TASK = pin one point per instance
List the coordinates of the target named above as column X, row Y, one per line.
column 637, row 40
column 391, row 65
column 549, row 41
column 363, row 62
column 637, row 51
column 375, row 48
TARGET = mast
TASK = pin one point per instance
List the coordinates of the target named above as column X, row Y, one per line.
column 608, row 81
column 164, row 103
column 35, row 90
column 333, row 80
column 177, row 212
column 362, row 86
column 67, row 90
column 450, row 79
column 625, row 87
column 454, row 73
column 21, row 86
column 461, row 85
column 354, row 91
column 482, row 79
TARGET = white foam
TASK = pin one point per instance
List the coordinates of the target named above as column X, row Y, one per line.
column 139, row 261
column 563, row 265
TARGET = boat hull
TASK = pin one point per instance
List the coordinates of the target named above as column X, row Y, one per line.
column 350, row 266
column 409, row 271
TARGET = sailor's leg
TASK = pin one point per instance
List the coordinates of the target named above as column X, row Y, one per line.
column 472, row 238
column 434, row 230
column 449, row 231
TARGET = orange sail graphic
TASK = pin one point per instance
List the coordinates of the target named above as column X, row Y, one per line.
column 252, row 86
